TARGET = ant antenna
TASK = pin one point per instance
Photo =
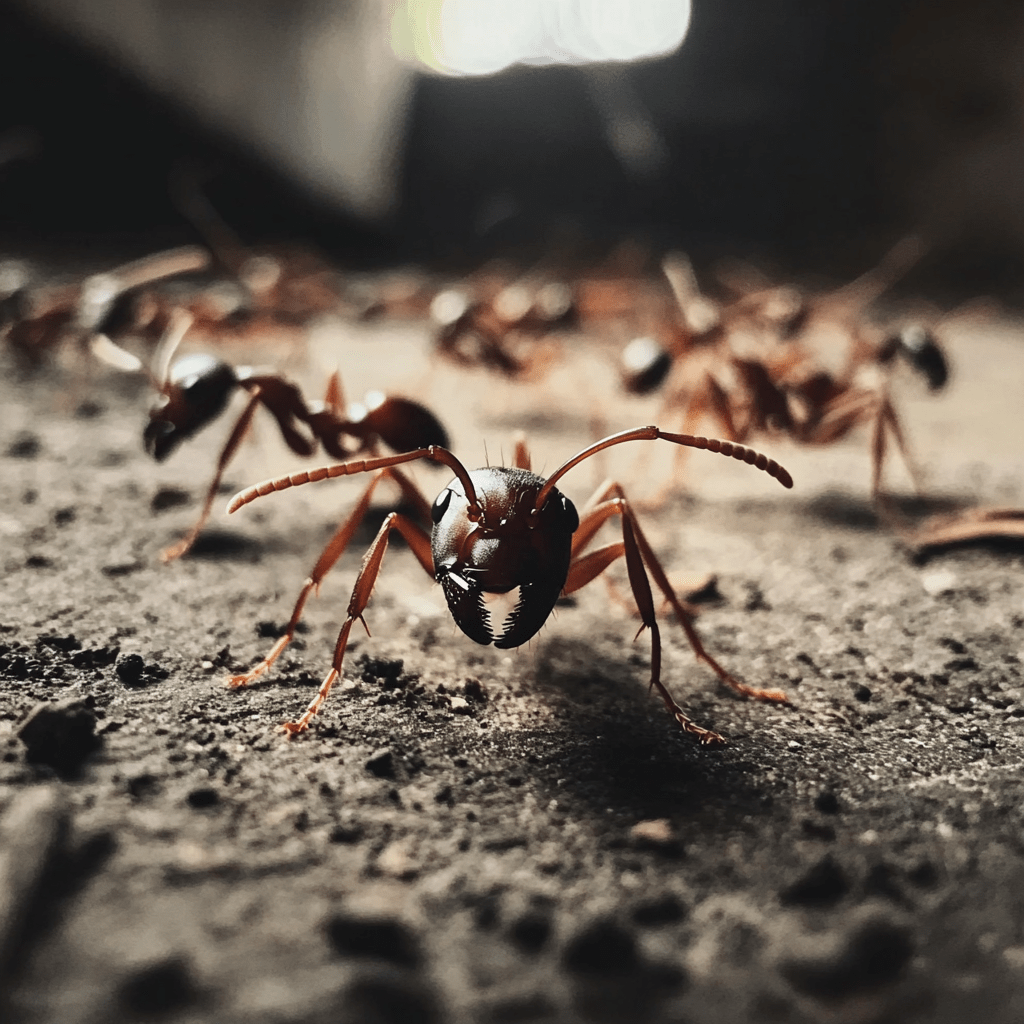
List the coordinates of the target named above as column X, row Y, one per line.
column 435, row 453
column 652, row 433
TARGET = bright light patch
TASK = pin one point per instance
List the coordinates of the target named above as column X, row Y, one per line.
column 479, row 37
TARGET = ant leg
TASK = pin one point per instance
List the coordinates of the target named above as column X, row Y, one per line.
column 887, row 414
column 226, row 455
column 284, row 401
column 334, row 397
column 974, row 524
column 583, row 569
column 590, row 525
column 412, row 494
column 418, row 540
column 334, row 549
column 521, row 455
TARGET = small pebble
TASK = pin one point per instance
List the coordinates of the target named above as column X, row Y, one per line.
column 32, row 835
column 374, row 937
column 60, row 734
column 203, row 797
column 822, row 885
column 24, row 446
column 827, row 802
column 939, row 582
column 871, row 954
column 385, row 995
column 530, row 931
column 658, row 911
column 382, row 764
column 159, row 988
column 601, row 947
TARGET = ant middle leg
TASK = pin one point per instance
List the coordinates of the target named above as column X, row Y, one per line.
column 228, row 452
column 419, row 541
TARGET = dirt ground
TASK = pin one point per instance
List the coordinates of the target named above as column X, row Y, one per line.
column 471, row 835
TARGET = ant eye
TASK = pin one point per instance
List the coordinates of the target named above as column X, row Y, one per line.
column 440, row 506
column 572, row 516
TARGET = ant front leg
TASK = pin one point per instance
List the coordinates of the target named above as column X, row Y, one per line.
column 419, row 541
column 227, row 454
column 332, row 552
column 640, row 559
column 886, row 418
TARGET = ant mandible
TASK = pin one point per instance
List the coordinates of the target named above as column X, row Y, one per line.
column 196, row 389
column 499, row 529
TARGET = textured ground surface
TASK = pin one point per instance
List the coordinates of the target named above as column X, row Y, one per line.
column 471, row 835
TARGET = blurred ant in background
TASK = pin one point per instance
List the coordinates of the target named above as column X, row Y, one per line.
column 38, row 319
column 196, row 388
column 259, row 292
column 502, row 326
column 753, row 367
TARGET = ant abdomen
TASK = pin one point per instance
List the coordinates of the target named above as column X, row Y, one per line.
column 403, row 425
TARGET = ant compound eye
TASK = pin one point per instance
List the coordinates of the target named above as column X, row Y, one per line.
column 440, row 506
column 571, row 515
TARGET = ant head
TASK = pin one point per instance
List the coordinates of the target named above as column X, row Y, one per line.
column 917, row 345
column 507, row 547
column 644, row 365
column 196, row 393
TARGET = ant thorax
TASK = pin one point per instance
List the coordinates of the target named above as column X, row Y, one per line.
column 506, row 547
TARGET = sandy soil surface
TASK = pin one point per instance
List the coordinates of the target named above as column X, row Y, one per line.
column 473, row 835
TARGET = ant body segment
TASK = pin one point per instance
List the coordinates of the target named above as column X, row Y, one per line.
column 196, row 389
column 112, row 304
column 500, row 530
column 751, row 367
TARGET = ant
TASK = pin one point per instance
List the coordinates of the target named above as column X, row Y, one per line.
column 196, row 389
column 270, row 290
column 500, row 327
column 501, row 530
column 751, row 366
column 112, row 304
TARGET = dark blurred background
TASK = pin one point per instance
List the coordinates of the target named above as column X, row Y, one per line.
column 813, row 134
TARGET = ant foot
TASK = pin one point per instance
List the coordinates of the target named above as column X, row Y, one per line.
column 294, row 728
column 174, row 552
column 705, row 737
column 237, row 682
column 775, row 696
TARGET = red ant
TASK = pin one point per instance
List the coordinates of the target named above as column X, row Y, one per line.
column 108, row 304
column 500, row 327
column 196, row 389
column 503, row 529
column 770, row 382
column 283, row 289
